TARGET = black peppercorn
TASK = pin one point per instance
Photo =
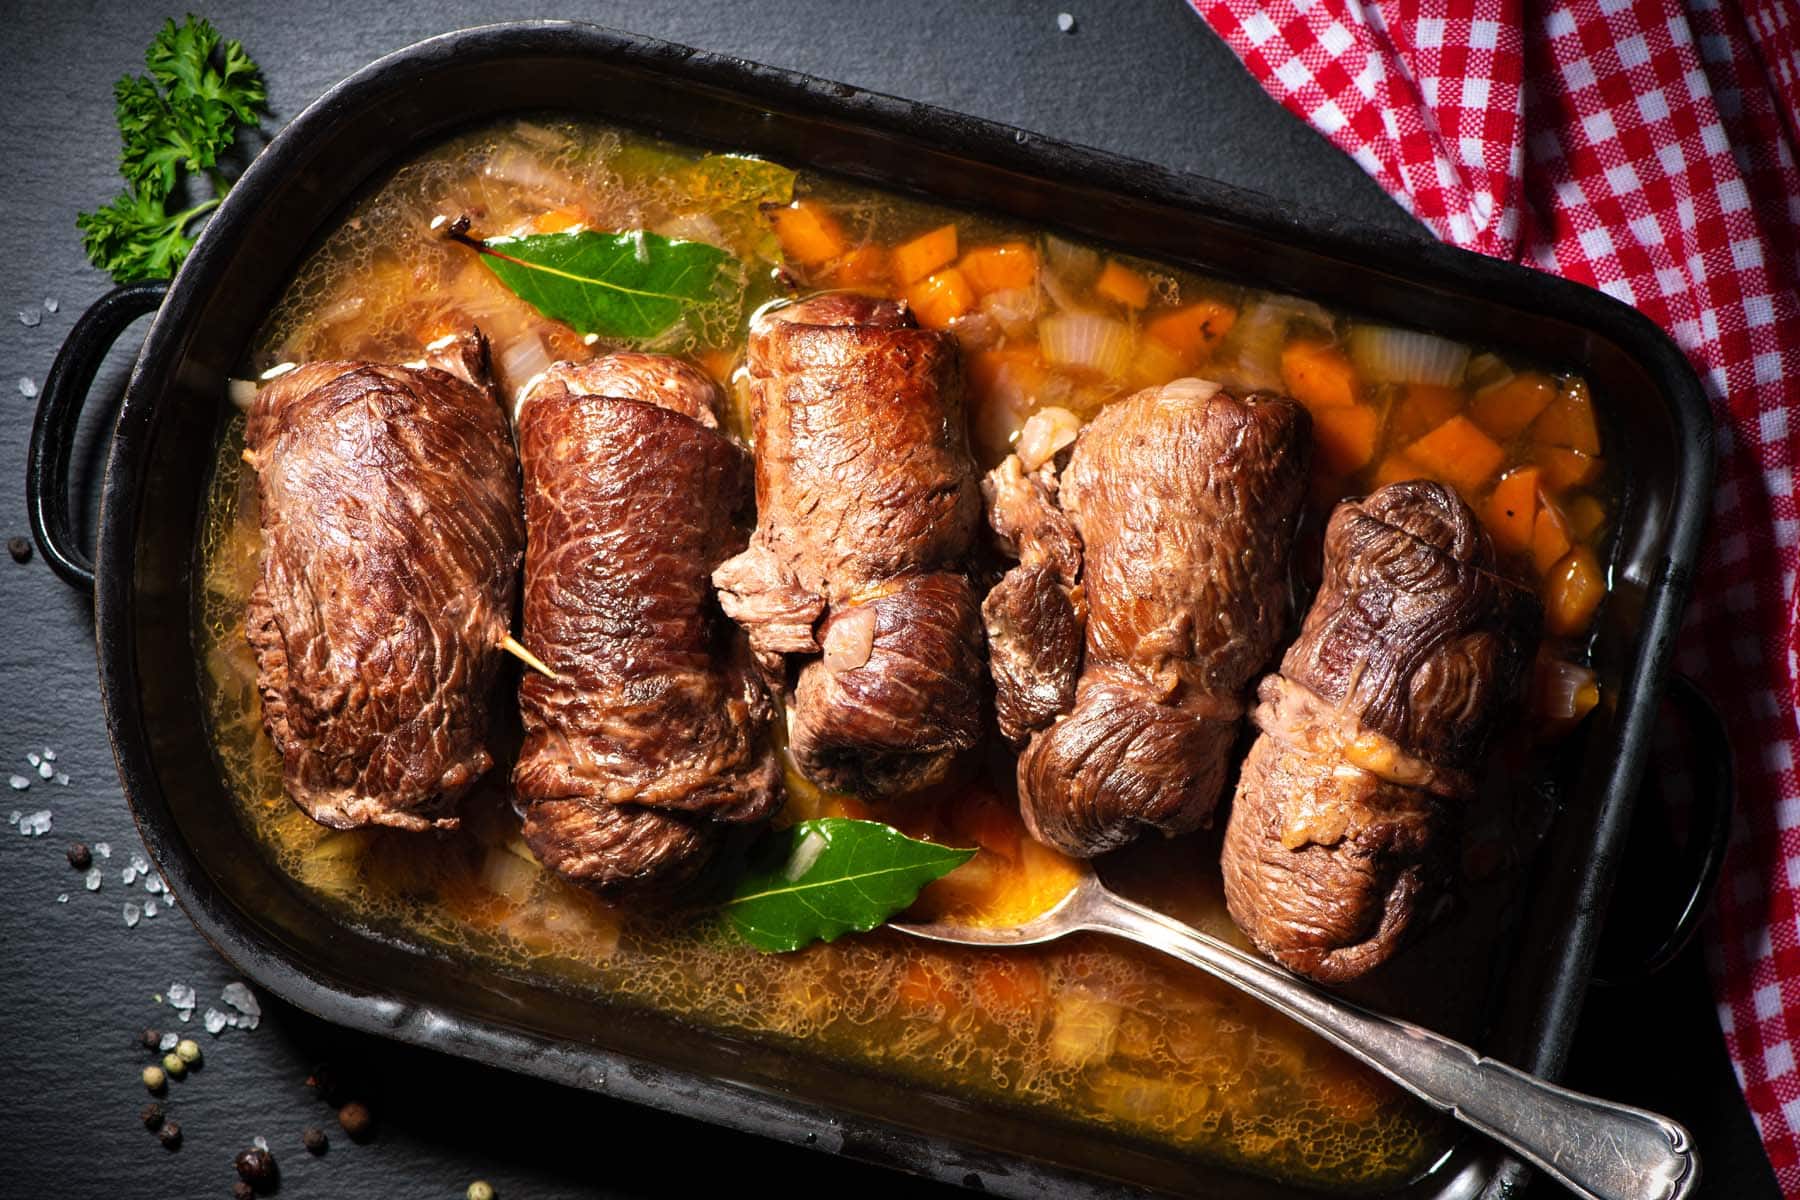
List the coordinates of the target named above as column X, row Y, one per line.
column 356, row 1120
column 315, row 1141
column 19, row 548
column 242, row 1191
column 256, row 1167
column 170, row 1133
column 150, row 1039
column 80, row 857
column 153, row 1116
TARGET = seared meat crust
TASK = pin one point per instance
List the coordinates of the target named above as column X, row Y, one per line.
column 655, row 730
column 866, row 509
column 1183, row 499
column 1348, row 805
column 390, row 516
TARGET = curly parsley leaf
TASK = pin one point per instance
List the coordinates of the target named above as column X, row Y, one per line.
column 180, row 118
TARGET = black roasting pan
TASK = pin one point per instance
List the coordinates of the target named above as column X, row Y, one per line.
column 1656, row 423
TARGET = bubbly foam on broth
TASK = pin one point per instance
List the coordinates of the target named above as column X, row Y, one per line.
column 1091, row 1030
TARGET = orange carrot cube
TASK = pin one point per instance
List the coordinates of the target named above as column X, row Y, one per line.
column 1122, row 285
column 1194, row 329
column 918, row 258
column 1564, row 468
column 1318, row 375
column 1568, row 421
column 864, row 266
column 1421, row 408
column 1586, row 516
column 808, row 233
column 1507, row 409
column 1398, row 467
column 1345, row 437
column 1510, row 513
column 1572, row 592
column 1458, row 453
column 939, row 299
column 1010, row 266
column 1549, row 537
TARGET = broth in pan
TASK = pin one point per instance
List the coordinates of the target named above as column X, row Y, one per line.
column 1088, row 1030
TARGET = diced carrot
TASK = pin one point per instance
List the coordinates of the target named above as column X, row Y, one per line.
column 1153, row 364
column 1458, row 453
column 1511, row 512
column 1564, row 468
column 918, row 258
column 808, row 233
column 1507, row 409
column 1121, row 284
column 1421, row 408
column 1572, row 592
column 986, row 368
column 939, row 299
column 1549, row 536
column 1568, row 421
column 1345, row 437
column 862, row 267
column 1194, row 329
column 1006, row 267
column 1318, row 375
column 559, row 219
column 1586, row 516
column 1006, row 986
column 1398, row 467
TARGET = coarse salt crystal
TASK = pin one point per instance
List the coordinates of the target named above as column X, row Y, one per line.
column 51, row 304
column 214, row 1020
column 34, row 758
column 62, row 897
column 103, row 849
column 62, row 779
column 128, row 876
column 49, row 754
column 35, row 824
column 243, row 999
column 260, row 1142
column 19, row 783
column 185, row 1013
column 181, row 996
column 27, row 386
column 92, row 879
column 1065, row 22
column 154, row 884
column 169, row 1041
column 132, row 913
column 149, row 908
column 45, row 770
column 29, row 317
column 14, row 818
column 140, row 864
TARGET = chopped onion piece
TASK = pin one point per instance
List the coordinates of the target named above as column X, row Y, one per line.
column 692, row 227
column 507, row 875
column 975, row 331
column 1088, row 341
column 1566, row 691
column 1387, row 355
column 516, row 165
column 1046, row 432
column 1014, row 308
column 542, row 137
column 1076, row 264
column 1250, row 357
column 1486, row 371
column 242, row 393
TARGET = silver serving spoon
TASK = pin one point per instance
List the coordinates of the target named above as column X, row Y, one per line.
column 1598, row 1149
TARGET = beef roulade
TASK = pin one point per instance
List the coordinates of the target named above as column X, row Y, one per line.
column 651, row 736
column 392, row 534
column 867, row 505
column 1372, row 731
column 1151, row 585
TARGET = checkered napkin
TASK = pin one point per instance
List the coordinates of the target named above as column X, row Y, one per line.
column 1645, row 148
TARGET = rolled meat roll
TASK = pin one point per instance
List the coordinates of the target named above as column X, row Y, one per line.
column 392, row 535
column 866, row 510
column 1346, row 811
column 652, row 737
column 1151, row 586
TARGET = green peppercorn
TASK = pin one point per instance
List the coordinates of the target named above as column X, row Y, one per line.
column 188, row 1050
column 481, row 1189
column 152, row 1116
column 154, row 1079
column 174, row 1065
column 170, row 1134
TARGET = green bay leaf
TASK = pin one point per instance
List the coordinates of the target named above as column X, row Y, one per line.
column 818, row 880
column 624, row 285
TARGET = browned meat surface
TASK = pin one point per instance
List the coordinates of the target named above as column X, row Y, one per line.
column 653, row 736
column 1183, row 499
column 866, row 509
column 1348, row 804
column 392, row 534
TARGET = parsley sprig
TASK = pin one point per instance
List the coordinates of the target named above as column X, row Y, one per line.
column 179, row 119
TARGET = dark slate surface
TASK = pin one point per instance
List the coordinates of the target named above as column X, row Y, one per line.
column 76, row 985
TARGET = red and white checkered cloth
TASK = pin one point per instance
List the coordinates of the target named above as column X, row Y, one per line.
column 1645, row 148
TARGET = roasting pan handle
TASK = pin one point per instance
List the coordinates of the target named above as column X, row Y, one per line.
column 58, row 415
column 1623, row 961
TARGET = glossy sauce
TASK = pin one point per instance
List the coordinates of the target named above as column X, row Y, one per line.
column 1089, row 1030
